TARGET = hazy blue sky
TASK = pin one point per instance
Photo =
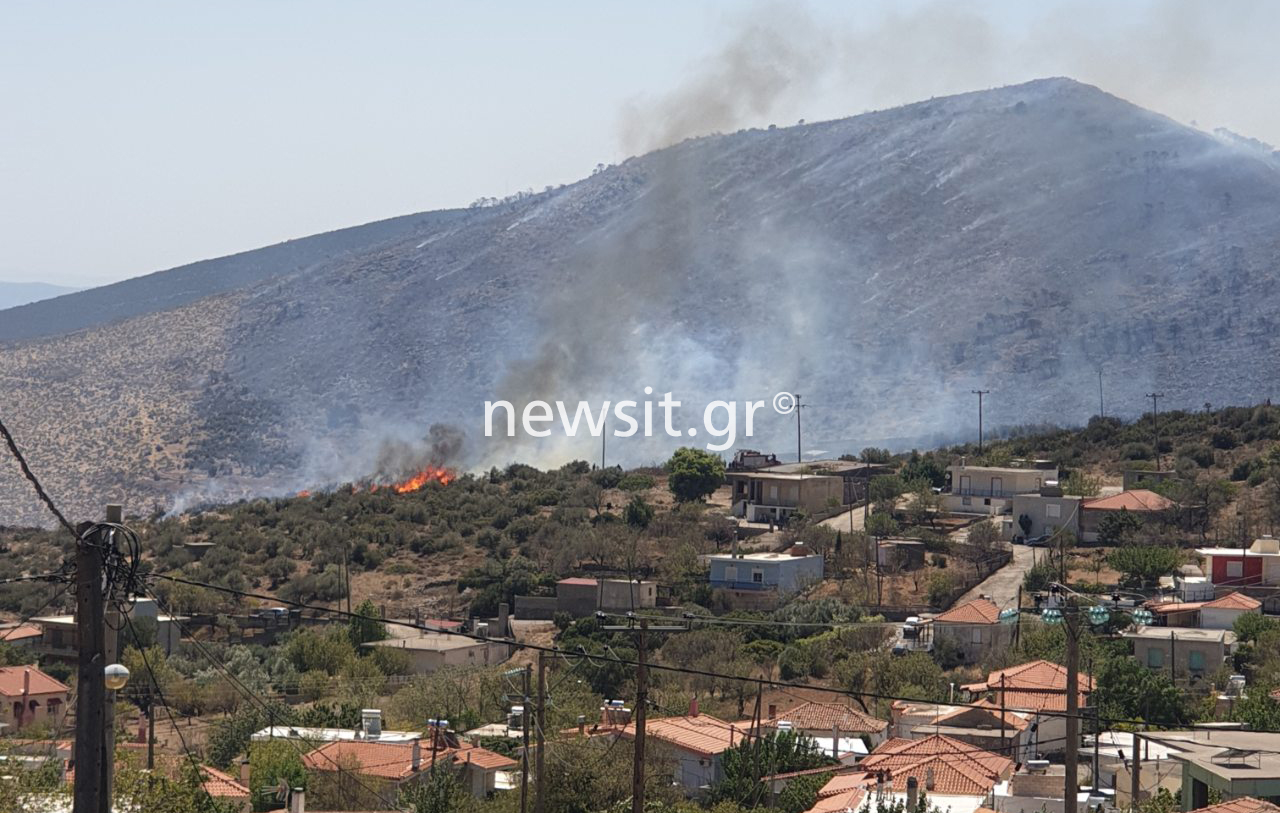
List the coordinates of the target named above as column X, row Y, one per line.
column 140, row 136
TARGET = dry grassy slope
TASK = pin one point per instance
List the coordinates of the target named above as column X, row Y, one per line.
column 1013, row 238
column 109, row 415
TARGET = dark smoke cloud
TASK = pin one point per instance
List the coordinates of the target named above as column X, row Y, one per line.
column 1212, row 63
column 397, row 459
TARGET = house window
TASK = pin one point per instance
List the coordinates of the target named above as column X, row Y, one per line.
column 977, row 635
column 1155, row 658
column 757, row 576
column 1195, row 660
column 1053, row 511
column 966, row 501
column 1235, row 570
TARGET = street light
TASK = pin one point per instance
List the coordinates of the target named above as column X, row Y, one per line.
column 115, row 676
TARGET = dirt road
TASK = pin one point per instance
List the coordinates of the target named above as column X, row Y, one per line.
column 1003, row 585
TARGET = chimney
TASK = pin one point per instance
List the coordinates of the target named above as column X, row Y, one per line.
column 913, row 793
column 928, row 779
column 298, row 801
column 693, row 706
column 773, row 711
column 244, row 772
column 415, row 759
column 504, row 613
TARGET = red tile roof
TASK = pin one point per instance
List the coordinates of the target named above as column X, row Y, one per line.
column 987, row 708
column 844, row 793
column 816, row 716
column 958, row 769
column 1140, row 499
column 394, row 760
column 581, row 582
column 1234, row 601
column 221, row 786
column 13, row 677
column 1166, row 607
column 702, row 734
column 22, row 632
column 1033, row 686
column 978, row 611
column 1242, row 804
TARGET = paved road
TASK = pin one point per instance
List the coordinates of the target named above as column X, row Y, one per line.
column 840, row 522
column 1003, row 585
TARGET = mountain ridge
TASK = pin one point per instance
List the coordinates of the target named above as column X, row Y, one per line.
column 1016, row 239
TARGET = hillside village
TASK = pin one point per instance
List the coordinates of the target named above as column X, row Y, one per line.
column 1058, row 620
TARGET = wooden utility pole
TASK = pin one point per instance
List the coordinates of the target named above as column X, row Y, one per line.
column 91, row 687
column 642, row 700
column 111, row 654
column 1071, row 784
column 524, row 724
column 539, row 800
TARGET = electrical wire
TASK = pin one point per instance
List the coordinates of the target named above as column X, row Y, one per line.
column 195, row 765
column 35, row 482
column 656, row 666
column 253, row 698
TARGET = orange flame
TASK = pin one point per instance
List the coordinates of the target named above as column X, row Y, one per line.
column 427, row 475
column 304, row 493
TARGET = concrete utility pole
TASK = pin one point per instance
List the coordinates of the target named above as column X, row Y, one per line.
column 1135, row 780
column 1155, row 420
column 979, row 393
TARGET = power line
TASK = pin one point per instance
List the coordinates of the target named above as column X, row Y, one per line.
column 35, row 482
column 663, row 667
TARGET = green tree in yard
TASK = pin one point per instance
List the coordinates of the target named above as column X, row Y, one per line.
column 1079, row 484
column 1249, row 626
column 881, row 525
column 1258, row 711
column 940, row 587
column 693, row 474
column 1118, row 527
column 368, row 627
column 775, row 752
column 1144, row 564
column 270, row 763
column 440, row 792
column 801, row 793
column 638, row 513
column 1128, row 690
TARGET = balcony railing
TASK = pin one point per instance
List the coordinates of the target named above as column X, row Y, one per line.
column 725, row 584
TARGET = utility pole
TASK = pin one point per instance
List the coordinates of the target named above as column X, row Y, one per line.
column 979, row 393
column 604, row 442
column 799, row 454
column 524, row 724
column 1102, row 410
column 1155, row 421
column 539, row 800
column 642, row 700
column 1135, row 780
column 91, row 686
column 1071, row 784
column 111, row 654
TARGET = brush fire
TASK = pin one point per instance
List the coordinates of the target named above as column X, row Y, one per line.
column 430, row 474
